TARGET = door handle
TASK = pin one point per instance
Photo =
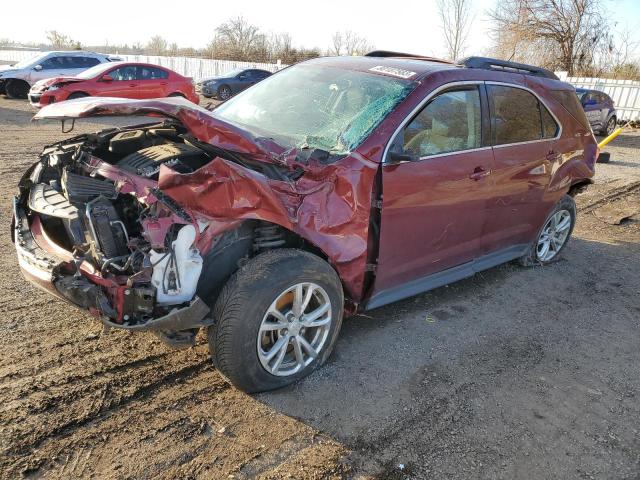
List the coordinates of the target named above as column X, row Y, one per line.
column 552, row 156
column 479, row 173
column 133, row 84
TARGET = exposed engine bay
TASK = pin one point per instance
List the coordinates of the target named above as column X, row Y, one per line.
column 121, row 248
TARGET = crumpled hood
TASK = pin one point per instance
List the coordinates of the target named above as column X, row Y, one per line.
column 44, row 84
column 201, row 123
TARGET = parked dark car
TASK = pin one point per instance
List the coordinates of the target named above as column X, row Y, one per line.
column 231, row 83
column 336, row 185
column 600, row 110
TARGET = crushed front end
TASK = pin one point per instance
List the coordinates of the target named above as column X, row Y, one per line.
column 91, row 226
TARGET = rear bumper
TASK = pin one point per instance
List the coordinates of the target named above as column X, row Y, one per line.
column 45, row 265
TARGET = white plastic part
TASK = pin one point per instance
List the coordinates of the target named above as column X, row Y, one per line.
column 176, row 280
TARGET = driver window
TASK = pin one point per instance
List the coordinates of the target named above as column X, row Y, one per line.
column 451, row 122
column 124, row 74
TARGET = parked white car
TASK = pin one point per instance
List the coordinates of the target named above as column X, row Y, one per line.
column 17, row 79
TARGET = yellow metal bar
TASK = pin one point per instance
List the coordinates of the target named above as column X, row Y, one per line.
column 615, row 133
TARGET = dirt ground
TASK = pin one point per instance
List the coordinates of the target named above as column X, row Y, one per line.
column 515, row 373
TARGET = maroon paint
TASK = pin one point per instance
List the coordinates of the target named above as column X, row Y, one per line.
column 434, row 216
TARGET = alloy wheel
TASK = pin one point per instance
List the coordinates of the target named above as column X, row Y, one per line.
column 225, row 93
column 294, row 329
column 611, row 125
column 554, row 235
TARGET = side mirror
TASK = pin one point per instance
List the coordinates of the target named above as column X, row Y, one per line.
column 37, row 68
column 399, row 157
column 242, row 76
column 107, row 78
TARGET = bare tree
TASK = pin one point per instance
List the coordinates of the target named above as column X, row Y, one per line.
column 60, row 41
column 157, row 45
column 566, row 32
column 348, row 43
column 455, row 17
column 237, row 38
column 336, row 44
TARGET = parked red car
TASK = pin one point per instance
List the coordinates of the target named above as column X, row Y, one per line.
column 334, row 185
column 116, row 79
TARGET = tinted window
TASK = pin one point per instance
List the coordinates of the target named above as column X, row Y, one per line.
column 549, row 125
column 124, row 73
column 450, row 122
column 516, row 115
column 85, row 62
column 55, row 63
column 571, row 104
column 151, row 73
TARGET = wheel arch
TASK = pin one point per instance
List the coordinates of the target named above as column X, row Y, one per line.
column 247, row 240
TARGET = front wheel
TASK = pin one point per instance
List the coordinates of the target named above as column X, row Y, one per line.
column 75, row 95
column 224, row 92
column 17, row 89
column 277, row 319
column 554, row 234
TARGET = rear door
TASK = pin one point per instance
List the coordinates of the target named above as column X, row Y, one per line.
column 152, row 82
column 523, row 135
column 434, row 201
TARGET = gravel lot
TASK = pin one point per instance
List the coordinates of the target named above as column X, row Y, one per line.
column 515, row 373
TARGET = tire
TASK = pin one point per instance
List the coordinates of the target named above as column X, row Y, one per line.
column 75, row 95
column 17, row 88
column 244, row 333
column 557, row 235
column 610, row 127
column 224, row 92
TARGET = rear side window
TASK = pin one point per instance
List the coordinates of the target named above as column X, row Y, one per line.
column 451, row 122
column 518, row 116
column 85, row 62
column 150, row 73
column 571, row 104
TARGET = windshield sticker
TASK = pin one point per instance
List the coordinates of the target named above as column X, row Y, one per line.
column 394, row 72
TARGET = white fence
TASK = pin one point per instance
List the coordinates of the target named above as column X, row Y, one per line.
column 189, row 67
column 624, row 93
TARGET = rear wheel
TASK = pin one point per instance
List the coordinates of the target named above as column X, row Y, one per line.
column 277, row 319
column 224, row 92
column 17, row 88
column 177, row 94
column 75, row 95
column 554, row 234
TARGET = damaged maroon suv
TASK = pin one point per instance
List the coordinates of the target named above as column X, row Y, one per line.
column 335, row 185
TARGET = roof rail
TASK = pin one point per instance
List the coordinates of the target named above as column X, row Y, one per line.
column 486, row 63
column 388, row 54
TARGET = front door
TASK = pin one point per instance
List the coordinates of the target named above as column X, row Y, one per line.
column 123, row 82
column 435, row 184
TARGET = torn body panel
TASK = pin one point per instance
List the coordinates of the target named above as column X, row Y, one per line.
column 129, row 228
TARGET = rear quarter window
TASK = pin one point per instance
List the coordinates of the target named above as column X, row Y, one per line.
column 570, row 102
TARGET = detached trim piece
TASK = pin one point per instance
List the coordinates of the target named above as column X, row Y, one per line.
column 191, row 316
column 445, row 277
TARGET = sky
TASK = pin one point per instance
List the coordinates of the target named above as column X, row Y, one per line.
column 408, row 25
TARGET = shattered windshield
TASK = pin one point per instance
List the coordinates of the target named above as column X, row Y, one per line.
column 308, row 106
